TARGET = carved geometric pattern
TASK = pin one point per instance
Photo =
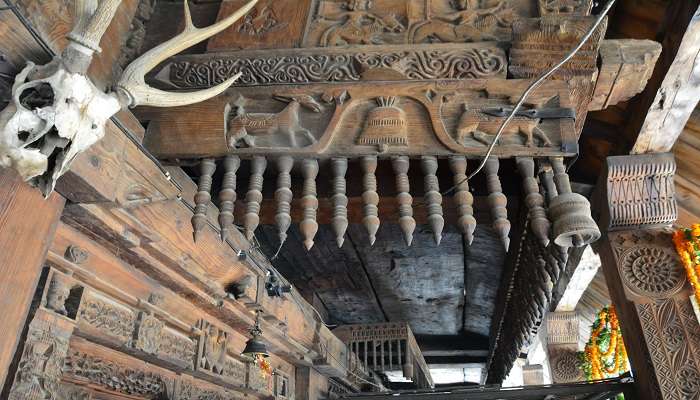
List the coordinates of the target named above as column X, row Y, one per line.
column 641, row 190
column 470, row 63
column 672, row 336
column 113, row 376
column 651, row 271
column 108, row 316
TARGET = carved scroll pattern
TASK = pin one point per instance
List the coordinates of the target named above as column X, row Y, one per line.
column 427, row 64
column 177, row 347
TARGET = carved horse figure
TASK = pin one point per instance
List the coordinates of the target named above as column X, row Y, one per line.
column 483, row 127
column 247, row 127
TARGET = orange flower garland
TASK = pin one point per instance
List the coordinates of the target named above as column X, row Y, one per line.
column 605, row 355
column 263, row 365
column 687, row 243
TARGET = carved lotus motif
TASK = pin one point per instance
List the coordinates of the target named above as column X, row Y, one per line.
column 652, row 271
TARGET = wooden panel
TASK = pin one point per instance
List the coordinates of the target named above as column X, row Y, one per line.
column 27, row 224
column 271, row 24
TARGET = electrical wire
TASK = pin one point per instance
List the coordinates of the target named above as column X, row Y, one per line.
column 531, row 88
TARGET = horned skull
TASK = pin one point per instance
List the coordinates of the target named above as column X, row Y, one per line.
column 57, row 113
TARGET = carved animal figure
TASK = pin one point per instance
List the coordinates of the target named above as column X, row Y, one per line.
column 468, row 24
column 483, row 127
column 247, row 127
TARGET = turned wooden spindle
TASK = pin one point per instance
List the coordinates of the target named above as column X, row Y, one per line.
column 497, row 201
column 533, row 198
column 403, row 188
column 550, row 189
column 227, row 195
column 309, row 202
column 253, row 197
column 203, row 196
column 283, row 196
column 463, row 198
column 340, row 199
column 433, row 197
column 370, row 197
column 561, row 178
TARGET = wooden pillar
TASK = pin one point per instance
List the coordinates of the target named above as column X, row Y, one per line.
column 27, row 225
column 533, row 374
column 647, row 281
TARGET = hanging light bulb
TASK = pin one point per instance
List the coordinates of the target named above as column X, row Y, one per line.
column 255, row 347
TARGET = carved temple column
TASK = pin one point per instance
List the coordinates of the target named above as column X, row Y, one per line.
column 27, row 225
column 647, row 281
column 562, row 345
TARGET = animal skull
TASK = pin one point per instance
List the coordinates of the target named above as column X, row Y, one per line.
column 57, row 113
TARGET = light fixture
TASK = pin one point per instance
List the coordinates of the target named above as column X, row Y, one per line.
column 255, row 347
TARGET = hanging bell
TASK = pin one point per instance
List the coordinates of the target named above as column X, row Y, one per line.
column 255, row 347
column 573, row 224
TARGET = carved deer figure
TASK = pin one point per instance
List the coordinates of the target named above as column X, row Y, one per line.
column 483, row 127
column 57, row 112
column 247, row 127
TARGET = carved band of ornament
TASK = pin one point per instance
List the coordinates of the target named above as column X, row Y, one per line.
column 417, row 63
column 115, row 377
column 641, row 190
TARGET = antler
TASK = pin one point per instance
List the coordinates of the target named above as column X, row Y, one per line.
column 92, row 20
column 132, row 86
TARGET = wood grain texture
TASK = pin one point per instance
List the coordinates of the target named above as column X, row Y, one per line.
column 27, row 225
column 674, row 89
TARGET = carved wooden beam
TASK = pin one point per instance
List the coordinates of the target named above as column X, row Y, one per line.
column 357, row 119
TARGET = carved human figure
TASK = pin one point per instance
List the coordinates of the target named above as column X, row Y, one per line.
column 214, row 350
column 360, row 26
column 469, row 23
column 277, row 129
column 57, row 294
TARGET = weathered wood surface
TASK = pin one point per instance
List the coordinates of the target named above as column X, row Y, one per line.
column 339, row 120
column 625, row 68
column 687, row 177
column 342, row 64
column 674, row 89
column 27, row 224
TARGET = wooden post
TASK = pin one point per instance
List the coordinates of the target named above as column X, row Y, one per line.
column 562, row 345
column 27, row 225
column 647, row 281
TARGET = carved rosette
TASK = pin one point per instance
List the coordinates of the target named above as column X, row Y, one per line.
column 566, row 367
column 652, row 271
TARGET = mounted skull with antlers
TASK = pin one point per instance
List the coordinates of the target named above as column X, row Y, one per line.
column 57, row 112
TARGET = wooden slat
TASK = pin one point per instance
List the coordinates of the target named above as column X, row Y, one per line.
column 27, row 225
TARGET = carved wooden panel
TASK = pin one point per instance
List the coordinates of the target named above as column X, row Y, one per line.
column 640, row 190
column 318, row 65
column 177, row 348
column 446, row 117
column 102, row 316
column 354, row 22
column 271, row 24
column 39, row 369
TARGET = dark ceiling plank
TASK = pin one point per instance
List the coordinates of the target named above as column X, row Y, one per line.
column 673, row 91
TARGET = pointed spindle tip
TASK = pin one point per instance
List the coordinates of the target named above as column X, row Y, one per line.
column 470, row 236
column 224, row 234
column 506, row 243
column 340, row 241
column 308, row 243
column 372, row 239
column 437, row 236
column 283, row 237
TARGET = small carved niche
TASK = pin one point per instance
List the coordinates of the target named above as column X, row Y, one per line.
column 63, row 295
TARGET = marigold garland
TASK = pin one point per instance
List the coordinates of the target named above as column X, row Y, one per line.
column 687, row 243
column 263, row 365
column 605, row 355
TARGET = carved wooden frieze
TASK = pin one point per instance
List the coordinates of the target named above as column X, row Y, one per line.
column 103, row 316
column 565, row 7
column 446, row 118
column 177, row 348
column 82, row 367
column 351, row 22
column 441, row 61
column 149, row 333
